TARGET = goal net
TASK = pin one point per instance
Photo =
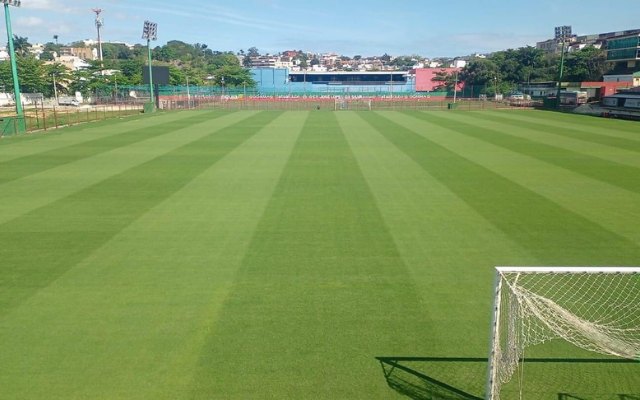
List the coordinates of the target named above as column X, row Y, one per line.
column 596, row 309
column 343, row 104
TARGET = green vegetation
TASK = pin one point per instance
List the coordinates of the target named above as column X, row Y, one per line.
column 196, row 63
column 506, row 69
column 270, row 254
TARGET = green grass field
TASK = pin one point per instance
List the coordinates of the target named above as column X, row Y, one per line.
column 273, row 255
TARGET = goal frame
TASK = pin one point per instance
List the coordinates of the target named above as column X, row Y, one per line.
column 347, row 102
column 497, row 299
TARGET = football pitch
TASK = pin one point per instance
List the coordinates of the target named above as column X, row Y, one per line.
column 275, row 255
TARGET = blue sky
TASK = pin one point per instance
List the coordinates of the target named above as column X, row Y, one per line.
column 366, row 27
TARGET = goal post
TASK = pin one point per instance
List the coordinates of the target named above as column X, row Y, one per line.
column 593, row 308
column 344, row 104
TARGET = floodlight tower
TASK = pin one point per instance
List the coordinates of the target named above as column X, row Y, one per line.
column 99, row 24
column 14, row 68
column 562, row 33
column 150, row 32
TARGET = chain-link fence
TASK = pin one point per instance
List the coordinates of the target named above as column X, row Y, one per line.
column 40, row 118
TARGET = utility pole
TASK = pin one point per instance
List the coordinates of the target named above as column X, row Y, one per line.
column 455, row 89
column 188, row 94
column 562, row 33
column 55, row 89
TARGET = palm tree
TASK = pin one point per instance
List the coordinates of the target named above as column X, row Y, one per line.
column 21, row 45
column 55, row 37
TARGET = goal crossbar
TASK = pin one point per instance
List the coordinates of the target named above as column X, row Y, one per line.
column 536, row 296
column 583, row 270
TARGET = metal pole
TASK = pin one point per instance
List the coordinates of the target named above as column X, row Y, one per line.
column 560, row 75
column 152, row 98
column 494, row 338
column 55, row 89
column 14, row 66
column 455, row 89
column 188, row 95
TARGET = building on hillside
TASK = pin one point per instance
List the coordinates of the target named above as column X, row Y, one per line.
column 425, row 78
column 554, row 46
column 459, row 63
column 72, row 62
column 595, row 90
column 624, row 49
column 266, row 61
column 85, row 53
column 633, row 78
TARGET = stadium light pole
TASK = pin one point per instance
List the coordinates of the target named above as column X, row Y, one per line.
column 14, row 65
column 150, row 32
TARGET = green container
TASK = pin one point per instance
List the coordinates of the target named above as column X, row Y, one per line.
column 549, row 103
column 451, row 106
column 10, row 126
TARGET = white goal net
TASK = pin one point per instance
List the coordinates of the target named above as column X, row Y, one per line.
column 596, row 309
column 343, row 104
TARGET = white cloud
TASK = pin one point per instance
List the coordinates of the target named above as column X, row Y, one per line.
column 29, row 24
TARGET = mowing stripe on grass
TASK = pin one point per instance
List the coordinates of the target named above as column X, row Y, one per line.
column 32, row 164
column 444, row 242
column 576, row 133
column 21, row 146
column 620, row 129
column 65, row 232
column 321, row 291
column 129, row 320
column 613, row 208
column 609, row 127
column 607, row 153
column 34, row 191
column 553, row 234
column 606, row 171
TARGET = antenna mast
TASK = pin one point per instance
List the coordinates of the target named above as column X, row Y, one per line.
column 99, row 24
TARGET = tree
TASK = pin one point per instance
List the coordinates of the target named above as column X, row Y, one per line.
column 46, row 55
column 234, row 75
column 479, row 72
column 31, row 74
column 446, row 81
column 315, row 61
column 357, row 57
column 253, row 52
column 246, row 62
column 303, row 59
column 21, row 45
column 385, row 57
column 220, row 60
column 586, row 65
column 59, row 74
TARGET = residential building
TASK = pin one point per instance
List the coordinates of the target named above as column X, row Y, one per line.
column 634, row 78
column 72, row 62
column 554, row 46
column 624, row 48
